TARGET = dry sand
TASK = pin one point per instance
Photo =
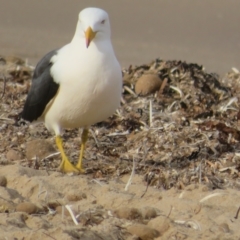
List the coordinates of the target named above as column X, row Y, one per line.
column 186, row 182
column 186, row 155
column 107, row 211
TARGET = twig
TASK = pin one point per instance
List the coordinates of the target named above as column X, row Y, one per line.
column 94, row 137
column 98, row 182
column 227, row 106
column 145, row 190
column 3, row 118
column 123, row 101
column 170, row 212
column 189, row 223
column 149, row 179
column 51, row 155
column 163, row 85
column 177, row 90
column 4, row 85
column 49, row 236
column 150, row 113
column 131, row 176
column 200, row 172
column 210, row 196
column 71, row 213
column 236, row 217
column 46, row 194
column 145, row 151
column 129, row 90
column 171, row 106
column 118, row 134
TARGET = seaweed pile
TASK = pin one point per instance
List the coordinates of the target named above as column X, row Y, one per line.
column 177, row 125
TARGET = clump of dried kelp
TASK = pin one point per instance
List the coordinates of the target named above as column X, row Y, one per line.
column 178, row 123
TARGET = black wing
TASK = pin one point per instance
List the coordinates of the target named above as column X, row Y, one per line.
column 42, row 90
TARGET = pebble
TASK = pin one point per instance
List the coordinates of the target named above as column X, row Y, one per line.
column 143, row 232
column 161, row 223
column 74, row 196
column 27, row 207
column 13, row 155
column 148, row 212
column 3, row 181
column 128, row 213
column 147, row 84
column 40, row 148
column 224, row 228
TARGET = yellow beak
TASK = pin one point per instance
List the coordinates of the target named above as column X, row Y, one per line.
column 89, row 35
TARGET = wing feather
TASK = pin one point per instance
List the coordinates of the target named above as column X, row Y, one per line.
column 42, row 90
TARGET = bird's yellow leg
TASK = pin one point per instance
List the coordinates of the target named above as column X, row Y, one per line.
column 65, row 166
column 83, row 144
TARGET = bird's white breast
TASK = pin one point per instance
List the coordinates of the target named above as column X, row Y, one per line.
column 90, row 87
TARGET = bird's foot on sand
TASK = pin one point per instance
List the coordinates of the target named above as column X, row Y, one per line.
column 67, row 167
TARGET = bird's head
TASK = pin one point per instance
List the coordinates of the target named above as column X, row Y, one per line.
column 93, row 25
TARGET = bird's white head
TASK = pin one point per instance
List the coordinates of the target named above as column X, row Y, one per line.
column 93, row 25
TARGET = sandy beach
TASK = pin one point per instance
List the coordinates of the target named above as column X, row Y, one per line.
column 166, row 165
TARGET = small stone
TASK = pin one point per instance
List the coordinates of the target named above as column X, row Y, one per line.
column 224, row 228
column 147, row 84
column 27, row 207
column 205, row 189
column 53, row 204
column 143, row 232
column 128, row 213
column 3, row 181
column 161, row 223
column 40, row 148
column 148, row 212
column 13, row 155
column 75, row 196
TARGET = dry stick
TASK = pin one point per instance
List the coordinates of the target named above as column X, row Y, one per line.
column 50, row 155
column 212, row 195
column 150, row 113
column 177, row 90
column 236, row 217
column 145, row 151
column 200, row 173
column 163, row 85
column 94, row 137
column 131, row 176
column 129, row 90
column 145, row 190
column 72, row 214
column 149, row 178
column 49, row 236
column 4, row 85
column 170, row 211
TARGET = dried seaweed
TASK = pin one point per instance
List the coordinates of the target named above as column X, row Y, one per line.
column 183, row 133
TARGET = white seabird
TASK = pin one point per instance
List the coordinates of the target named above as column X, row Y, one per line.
column 77, row 85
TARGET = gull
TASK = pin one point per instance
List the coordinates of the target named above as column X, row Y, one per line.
column 77, row 85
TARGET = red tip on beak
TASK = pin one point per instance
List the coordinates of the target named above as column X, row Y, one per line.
column 89, row 35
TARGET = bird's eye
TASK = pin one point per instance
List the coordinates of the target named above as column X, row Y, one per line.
column 103, row 21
